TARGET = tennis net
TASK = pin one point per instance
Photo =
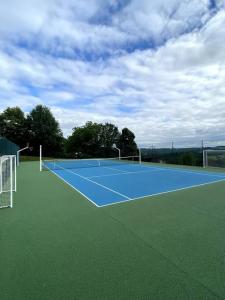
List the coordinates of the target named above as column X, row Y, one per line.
column 59, row 164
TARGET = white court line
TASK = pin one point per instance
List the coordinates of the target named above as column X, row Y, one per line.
column 146, row 196
column 188, row 171
column 92, row 181
column 167, row 192
column 114, row 169
column 124, row 173
column 73, row 187
column 151, row 169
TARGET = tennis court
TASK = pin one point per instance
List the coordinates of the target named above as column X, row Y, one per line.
column 110, row 181
column 57, row 245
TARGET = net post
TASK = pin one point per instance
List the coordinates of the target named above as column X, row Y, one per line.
column 40, row 158
column 203, row 158
column 139, row 153
column 206, row 159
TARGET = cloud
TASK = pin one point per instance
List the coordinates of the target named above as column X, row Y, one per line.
column 155, row 67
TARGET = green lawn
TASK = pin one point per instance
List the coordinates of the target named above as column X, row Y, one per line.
column 54, row 244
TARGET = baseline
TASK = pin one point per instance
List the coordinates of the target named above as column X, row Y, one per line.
column 124, row 173
column 203, row 172
column 155, row 169
column 161, row 193
column 73, row 187
column 92, row 181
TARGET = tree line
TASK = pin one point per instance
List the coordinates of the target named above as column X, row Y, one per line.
column 180, row 156
column 40, row 127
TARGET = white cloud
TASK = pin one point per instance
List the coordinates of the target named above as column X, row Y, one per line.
column 23, row 15
column 174, row 92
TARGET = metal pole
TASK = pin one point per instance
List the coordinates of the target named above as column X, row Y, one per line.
column 11, row 181
column 40, row 158
column 0, row 175
column 15, row 173
column 203, row 158
column 18, row 155
column 139, row 150
column 17, row 158
column 118, row 151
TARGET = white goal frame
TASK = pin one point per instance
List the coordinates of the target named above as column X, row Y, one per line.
column 8, row 180
column 205, row 156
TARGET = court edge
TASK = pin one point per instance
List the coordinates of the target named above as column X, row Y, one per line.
column 137, row 198
column 75, row 189
column 157, row 194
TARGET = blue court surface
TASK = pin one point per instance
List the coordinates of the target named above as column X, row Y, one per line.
column 107, row 185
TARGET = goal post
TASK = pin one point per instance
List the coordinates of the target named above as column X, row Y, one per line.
column 7, row 180
column 214, row 158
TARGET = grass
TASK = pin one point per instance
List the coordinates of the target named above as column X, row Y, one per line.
column 54, row 244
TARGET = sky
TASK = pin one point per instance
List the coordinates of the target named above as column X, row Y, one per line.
column 156, row 67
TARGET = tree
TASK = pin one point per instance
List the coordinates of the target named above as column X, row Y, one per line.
column 44, row 130
column 93, row 140
column 188, row 158
column 126, row 143
column 13, row 126
column 85, row 140
column 109, row 136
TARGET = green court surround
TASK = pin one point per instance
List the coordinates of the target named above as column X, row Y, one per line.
column 54, row 244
